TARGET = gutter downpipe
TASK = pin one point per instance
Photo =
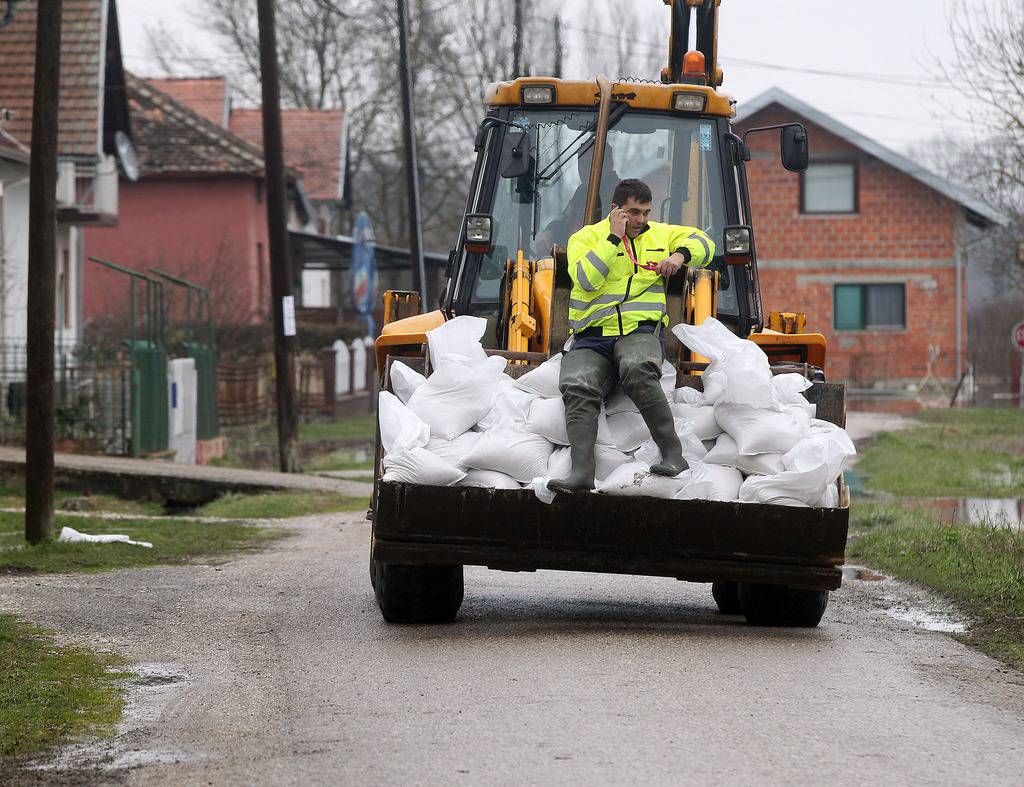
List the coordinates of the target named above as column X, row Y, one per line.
column 959, row 297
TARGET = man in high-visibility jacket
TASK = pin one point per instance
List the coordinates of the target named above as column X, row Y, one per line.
column 617, row 317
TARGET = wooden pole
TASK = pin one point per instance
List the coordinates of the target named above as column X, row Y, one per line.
column 42, row 295
column 517, row 38
column 412, row 174
column 283, row 306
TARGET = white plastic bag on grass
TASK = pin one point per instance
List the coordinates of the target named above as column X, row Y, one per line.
column 711, row 482
column 634, row 479
column 404, row 381
column 419, row 466
column 606, row 460
column 457, row 340
column 400, row 428
column 457, row 395
column 762, row 430
column 523, row 456
column 739, row 370
column 543, row 380
column 68, row 535
column 705, row 427
column 489, row 479
column 453, row 451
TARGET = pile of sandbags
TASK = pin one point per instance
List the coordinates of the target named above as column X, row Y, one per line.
column 748, row 436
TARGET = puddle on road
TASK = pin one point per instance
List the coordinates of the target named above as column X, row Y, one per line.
column 929, row 621
column 993, row 511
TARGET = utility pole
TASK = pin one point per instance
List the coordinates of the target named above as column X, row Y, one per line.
column 517, row 38
column 277, row 231
column 412, row 175
column 42, row 294
column 558, row 47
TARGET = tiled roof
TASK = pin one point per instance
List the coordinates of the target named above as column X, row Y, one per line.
column 312, row 145
column 206, row 95
column 82, row 44
column 172, row 139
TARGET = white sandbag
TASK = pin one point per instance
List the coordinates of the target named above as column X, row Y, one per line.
column 400, row 428
column 457, row 340
column 634, row 479
column 419, row 466
column 708, row 444
column 539, row 486
column 405, row 380
column 510, row 409
column 690, row 396
column 618, row 402
column 724, row 451
column 760, row 464
column 692, row 448
column 705, row 427
column 68, row 535
column 789, row 388
column 711, row 482
column 828, row 446
column 738, row 366
column 606, row 459
column 523, row 456
column 668, row 379
column 762, row 430
column 628, row 430
column 547, row 418
column 489, row 479
column 453, row 451
column 830, row 499
column 457, row 395
column 784, row 489
column 543, row 380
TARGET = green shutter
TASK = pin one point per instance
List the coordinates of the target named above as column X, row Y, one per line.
column 849, row 307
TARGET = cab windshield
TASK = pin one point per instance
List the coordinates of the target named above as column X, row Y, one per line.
column 677, row 157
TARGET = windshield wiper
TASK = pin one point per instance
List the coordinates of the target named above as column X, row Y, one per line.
column 564, row 156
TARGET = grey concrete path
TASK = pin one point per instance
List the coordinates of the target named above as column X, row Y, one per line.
column 119, row 472
column 277, row 669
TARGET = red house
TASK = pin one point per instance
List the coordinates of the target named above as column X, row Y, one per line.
column 870, row 245
column 196, row 211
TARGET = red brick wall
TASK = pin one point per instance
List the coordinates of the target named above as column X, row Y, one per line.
column 206, row 230
column 908, row 228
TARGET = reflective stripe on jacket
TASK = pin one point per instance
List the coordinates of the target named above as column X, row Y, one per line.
column 612, row 293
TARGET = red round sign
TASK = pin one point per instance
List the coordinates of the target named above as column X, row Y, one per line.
column 1018, row 335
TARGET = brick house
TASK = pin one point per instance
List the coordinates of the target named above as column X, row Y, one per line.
column 870, row 245
column 196, row 211
column 94, row 134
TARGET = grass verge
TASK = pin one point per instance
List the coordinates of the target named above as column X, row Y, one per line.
column 174, row 541
column 955, row 453
column 278, row 505
column 50, row 693
column 14, row 497
column 980, row 567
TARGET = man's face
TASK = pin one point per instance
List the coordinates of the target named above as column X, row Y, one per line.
column 636, row 216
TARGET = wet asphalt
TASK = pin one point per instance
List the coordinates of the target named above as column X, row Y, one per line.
column 276, row 668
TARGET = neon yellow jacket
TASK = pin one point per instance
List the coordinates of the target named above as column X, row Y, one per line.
column 609, row 291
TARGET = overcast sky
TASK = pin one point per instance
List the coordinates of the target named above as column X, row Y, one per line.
column 894, row 39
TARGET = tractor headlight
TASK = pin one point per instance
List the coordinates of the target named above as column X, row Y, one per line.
column 689, row 102
column 538, row 94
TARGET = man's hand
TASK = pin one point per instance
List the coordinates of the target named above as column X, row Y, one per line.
column 618, row 218
column 670, row 265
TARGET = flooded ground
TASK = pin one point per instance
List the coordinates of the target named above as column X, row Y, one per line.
column 992, row 511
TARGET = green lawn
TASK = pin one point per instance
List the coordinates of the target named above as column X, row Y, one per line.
column 14, row 497
column 276, row 505
column 980, row 567
column 51, row 694
column 955, row 453
column 174, row 541
column 362, row 426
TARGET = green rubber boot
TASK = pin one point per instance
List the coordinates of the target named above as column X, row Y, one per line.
column 585, row 378
column 639, row 356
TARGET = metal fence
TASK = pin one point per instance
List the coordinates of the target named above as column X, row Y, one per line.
column 93, row 399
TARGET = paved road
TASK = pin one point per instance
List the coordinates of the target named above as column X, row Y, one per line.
column 275, row 668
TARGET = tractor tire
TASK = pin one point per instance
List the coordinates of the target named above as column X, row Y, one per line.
column 776, row 605
column 417, row 594
column 727, row 597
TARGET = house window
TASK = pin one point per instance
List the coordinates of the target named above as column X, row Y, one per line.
column 829, row 188
column 870, row 307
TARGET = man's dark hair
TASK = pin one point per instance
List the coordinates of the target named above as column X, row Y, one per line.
column 634, row 188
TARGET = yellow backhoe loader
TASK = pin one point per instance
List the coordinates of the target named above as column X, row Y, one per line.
column 548, row 153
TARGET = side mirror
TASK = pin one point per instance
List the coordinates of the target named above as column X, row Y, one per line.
column 478, row 233
column 795, row 152
column 515, row 154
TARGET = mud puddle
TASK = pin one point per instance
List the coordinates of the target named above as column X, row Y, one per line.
column 929, row 621
column 989, row 511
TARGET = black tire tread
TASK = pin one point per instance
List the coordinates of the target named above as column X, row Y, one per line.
column 776, row 605
column 418, row 594
column 727, row 597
